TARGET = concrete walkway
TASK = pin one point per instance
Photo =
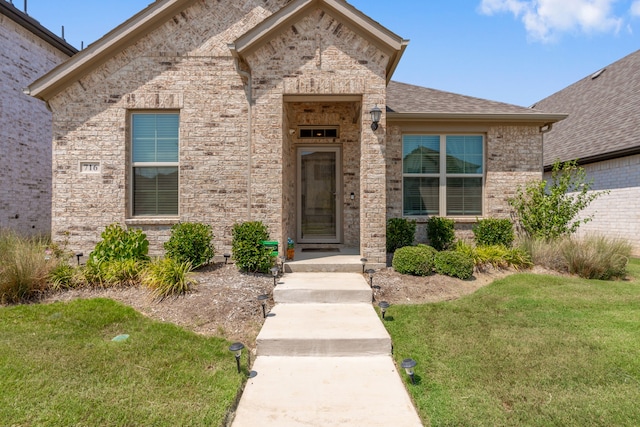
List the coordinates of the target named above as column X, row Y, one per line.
column 324, row 359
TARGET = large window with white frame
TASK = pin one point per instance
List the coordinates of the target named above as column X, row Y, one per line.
column 443, row 175
column 155, row 163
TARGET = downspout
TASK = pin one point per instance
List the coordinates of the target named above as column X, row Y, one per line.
column 247, row 75
column 544, row 129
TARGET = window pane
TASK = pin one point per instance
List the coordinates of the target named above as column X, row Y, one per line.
column 464, row 154
column 155, row 191
column 421, row 196
column 421, row 153
column 464, row 196
column 155, row 137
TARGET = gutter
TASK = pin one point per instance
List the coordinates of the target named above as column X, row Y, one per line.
column 545, row 119
column 600, row 157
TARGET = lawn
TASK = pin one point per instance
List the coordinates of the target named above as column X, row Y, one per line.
column 60, row 367
column 530, row 350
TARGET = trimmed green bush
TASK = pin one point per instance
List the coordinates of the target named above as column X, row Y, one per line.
column 167, row 277
column 190, row 242
column 454, row 264
column 120, row 244
column 414, row 260
column 440, row 232
column 401, row 232
column 248, row 252
column 493, row 231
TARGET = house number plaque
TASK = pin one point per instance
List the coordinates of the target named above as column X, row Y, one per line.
column 89, row 167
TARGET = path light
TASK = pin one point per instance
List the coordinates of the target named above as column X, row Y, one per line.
column 383, row 307
column 363, row 261
column 370, row 273
column 408, row 365
column 237, row 347
column 78, row 255
column 262, row 298
column 226, row 258
column 376, row 114
column 274, row 272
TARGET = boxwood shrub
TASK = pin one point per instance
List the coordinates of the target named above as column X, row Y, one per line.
column 454, row 264
column 190, row 242
column 440, row 232
column 414, row 260
column 248, row 252
column 493, row 231
column 400, row 233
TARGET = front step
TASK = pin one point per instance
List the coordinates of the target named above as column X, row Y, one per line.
column 323, row 330
column 331, row 288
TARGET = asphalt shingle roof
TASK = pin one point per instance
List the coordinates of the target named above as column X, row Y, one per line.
column 604, row 114
column 406, row 98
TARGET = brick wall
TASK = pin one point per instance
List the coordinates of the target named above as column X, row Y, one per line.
column 513, row 157
column 25, row 131
column 617, row 214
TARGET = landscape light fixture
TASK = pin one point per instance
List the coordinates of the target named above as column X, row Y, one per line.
column 263, row 298
column 226, row 258
column 383, row 307
column 274, row 272
column 363, row 261
column 237, row 347
column 78, row 255
column 408, row 365
column 370, row 273
column 376, row 114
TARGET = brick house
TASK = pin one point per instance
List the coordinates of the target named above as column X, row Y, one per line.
column 28, row 51
column 224, row 111
column 601, row 133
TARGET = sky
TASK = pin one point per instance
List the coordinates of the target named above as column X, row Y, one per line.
column 513, row 51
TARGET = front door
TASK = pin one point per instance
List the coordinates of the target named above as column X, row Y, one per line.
column 319, row 207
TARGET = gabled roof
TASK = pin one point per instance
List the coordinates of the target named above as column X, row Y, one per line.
column 99, row 52
column 604, row 115
column 390, row 43
column 34, row 27
column 409, row 102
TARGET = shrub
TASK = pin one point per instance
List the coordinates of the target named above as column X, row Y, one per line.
column 248, row 252
column 24, row 267
column 596, row 257
column 64, row 276
column 400, row 233
column 454, row 264
column 549, row 210
column 119, row 244
column 440, row 232
column 190, row 242
column 414, row 260
column 168, row 277
column 497, row 256
column 493, row 231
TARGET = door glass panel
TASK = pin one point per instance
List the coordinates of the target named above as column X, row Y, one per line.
column 318, row 195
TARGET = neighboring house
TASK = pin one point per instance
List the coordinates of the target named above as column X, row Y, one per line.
column 601, row 132
column 27, row 51
column 221, row 111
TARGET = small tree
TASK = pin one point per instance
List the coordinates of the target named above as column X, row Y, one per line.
column 550, row 209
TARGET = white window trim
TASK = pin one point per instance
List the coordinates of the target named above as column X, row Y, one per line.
column 442, row 176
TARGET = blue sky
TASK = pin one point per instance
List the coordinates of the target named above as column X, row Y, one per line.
column 515, row 51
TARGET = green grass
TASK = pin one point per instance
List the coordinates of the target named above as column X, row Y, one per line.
column 528, row 350
column 59, row 367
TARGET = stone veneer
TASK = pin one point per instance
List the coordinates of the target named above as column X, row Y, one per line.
column 25, row 131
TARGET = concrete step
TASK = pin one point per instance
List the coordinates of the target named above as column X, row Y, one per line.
column 323, row 330
column 325, row 391
column 333, row 288
column 328, row 262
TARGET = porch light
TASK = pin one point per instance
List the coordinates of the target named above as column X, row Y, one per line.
column 226, row 258
column 370, row 273
column 363, row 261
column 383, row 307
column 274, row 273
column 263, row 298
column 408, row 365
column 237, row 347
column 376, row 114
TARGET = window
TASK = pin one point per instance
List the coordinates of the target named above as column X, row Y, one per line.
column 154, row 140
column 308, row 132
column 442, row 175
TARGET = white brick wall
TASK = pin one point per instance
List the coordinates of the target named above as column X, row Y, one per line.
column 25, row 131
